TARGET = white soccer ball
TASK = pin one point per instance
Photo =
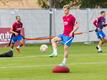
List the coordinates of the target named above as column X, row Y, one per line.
column 43, row 48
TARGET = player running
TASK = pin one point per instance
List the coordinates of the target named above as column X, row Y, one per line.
column 70, row 26
column 16, row 34
column 99, row 23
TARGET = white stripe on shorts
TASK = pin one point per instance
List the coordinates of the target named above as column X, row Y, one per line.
column 69, row 40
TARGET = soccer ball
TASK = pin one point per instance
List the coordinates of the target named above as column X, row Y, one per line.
column 43, row 48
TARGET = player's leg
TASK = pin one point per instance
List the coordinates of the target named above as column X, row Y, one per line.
column 67, row 44
column 66, row 48
column 21, row 43
column 103, row 39
column 13, row 41
column 12, row 46
column 55, row 42
column 99, row 46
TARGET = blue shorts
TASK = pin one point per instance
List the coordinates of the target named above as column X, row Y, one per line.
column 65, row 40
column 100, row 34
column 16, row 38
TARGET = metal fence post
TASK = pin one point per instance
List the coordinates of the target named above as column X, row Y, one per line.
column 50, row 24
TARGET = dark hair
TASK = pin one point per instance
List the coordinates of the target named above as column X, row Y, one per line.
column 102, row 12
column 17, row 17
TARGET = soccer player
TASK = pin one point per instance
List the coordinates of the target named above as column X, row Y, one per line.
column 100, row 23
column 70, row 26
column 16, row 34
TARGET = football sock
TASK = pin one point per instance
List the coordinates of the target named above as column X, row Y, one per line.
column 54, row 50
column 64, row 61
column 99, row 48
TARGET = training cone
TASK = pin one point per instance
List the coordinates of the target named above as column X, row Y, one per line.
column 61, row 69
column 7, row 54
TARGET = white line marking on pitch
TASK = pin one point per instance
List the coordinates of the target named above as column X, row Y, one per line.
column 24, row 57
column 30, row 66
column 48, row 56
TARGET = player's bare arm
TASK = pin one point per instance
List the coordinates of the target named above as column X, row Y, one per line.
column 13, row 32
column 74, row 30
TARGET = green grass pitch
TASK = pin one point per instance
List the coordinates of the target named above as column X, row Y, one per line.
column 84, row 63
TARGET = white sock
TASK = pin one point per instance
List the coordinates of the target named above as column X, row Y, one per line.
column 11, row 49
column 55, row 50
column 64, row 61
column 18, row 46
column 99, row 48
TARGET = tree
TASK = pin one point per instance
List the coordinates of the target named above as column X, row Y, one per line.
column 73, row 3
column 43, row 3
column 53, row 3
column 93, row 3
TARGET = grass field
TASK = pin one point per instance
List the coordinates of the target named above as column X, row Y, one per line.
column 84, row 63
